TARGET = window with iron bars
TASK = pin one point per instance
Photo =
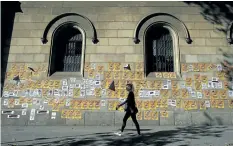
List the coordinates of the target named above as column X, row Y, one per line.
column 159, row 50
column 73, row 54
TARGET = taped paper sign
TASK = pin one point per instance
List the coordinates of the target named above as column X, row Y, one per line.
column 24, row 112
column 53, row 115
column 147, row 115
column 5, row 102
column 154, row 115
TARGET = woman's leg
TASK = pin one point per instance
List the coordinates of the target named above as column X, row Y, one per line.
column 127, row 115
column 134, row 118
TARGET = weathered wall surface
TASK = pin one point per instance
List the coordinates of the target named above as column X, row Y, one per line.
column 190, row 99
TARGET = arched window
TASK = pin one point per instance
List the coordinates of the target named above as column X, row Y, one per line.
column 67, row 50
column 159, row 50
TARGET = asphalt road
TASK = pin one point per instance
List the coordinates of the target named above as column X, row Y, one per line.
column 103, row 136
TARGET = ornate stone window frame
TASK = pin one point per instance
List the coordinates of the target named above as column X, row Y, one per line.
column 177, row 29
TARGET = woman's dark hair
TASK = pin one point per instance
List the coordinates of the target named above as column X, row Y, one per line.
column 130, row 85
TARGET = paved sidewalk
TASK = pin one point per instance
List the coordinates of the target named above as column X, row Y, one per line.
column 103, row 136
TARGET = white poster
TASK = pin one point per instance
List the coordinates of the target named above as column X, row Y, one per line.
column 24, row 112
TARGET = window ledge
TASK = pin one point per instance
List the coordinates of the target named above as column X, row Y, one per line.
column 152, row 76
column 62, row 75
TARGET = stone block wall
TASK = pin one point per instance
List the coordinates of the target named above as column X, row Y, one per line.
column 191, row 98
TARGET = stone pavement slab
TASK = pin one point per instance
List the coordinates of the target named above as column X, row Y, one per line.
column 103, row 136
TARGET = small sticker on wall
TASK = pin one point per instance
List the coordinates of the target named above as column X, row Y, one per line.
column 199, row 95
column 13, row 116
column 103, row 102
column 53, row 115
column 8, row 112
column 16, row 101
column 24, row 112
column 25, row 105
column 207, row 103
column 219, row 67
column 5, row 102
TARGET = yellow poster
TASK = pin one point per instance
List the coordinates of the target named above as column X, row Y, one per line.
column 184, row 93
column 84, row 104
column 78, row 104
column 98, row 92
column 172, row 75
column 139, row 115
column 97, row 104
column 125, row 75
column 91, row 105
column 103, row 84
column 117, row 75
column 146, row 105
column 64, row 113
column 122, row 93
column 139, row 66
column 147, row 115
column 76, row 92
column 202, row 105
column 70, row 114
column 112, row 105
column 164, row 114
column 122, row 84
column 225, row 85
column 178, row 103
column 197, row 77
column 153, row 105
column 186, row 104
column 150, row 84
column 166, row 75
column 138, row 75
column 55, row 107
column 193, row 105
column 78, row 114
column 158, row 75
column 184, row 68
column 108, row 75
column 188, row 82
column 131, row 75
column 164, row 93
column 223, row 94
column 158, row 103
column 202, row 67
column 143, row 84
column 195, row 67
column 221, row 75
column 117, row 66
column 11, row 103
column 91, row 73
column 154, row 115
column 164, row 103
column 206, row 93
column 198, row 85
column 176, row 93
column 117, row 84
column 158, row 85
column 87, row 66
column 175, row 85
column 230, row 103
column 108, row 83
column 204, row 79
column 220, row 104
column 214, row 94
column 100, row 69
column 139, row 104
column 214, row 103
column 110, row 66
column 211, row 67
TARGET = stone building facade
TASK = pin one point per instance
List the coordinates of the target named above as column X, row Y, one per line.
column 69, row 62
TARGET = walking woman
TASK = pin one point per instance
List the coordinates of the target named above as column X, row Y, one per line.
column 130, row 109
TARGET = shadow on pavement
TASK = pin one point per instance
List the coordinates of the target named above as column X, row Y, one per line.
column 130, row 138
